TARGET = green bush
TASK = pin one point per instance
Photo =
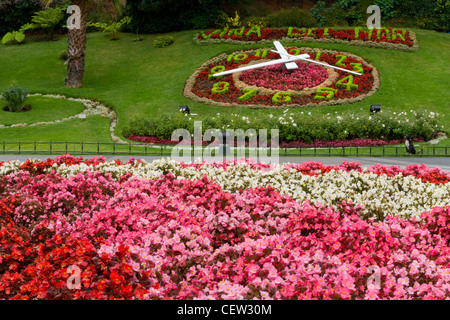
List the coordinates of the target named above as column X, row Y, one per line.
column 256, row 21
column 294, row 17
column 15, row 97
column 387, row 8
column 299, row 126
column 163, row 41
column 63, row 55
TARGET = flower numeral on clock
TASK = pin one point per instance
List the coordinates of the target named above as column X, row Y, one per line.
column 329, row 91
column 215, row 70
column 341, row 58
column 347, row 83
column 220, row 87
column 281, row 97
column 248, row 94
column 357, row 67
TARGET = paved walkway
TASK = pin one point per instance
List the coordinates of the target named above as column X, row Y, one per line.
column 443, row 163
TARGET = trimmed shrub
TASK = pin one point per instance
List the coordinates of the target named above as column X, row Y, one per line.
column 163, row 41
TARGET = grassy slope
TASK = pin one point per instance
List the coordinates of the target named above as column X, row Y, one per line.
column 137, row 79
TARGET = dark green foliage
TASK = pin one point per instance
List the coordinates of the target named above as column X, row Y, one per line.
column 63, row 55
column 291, row 17
column 383, row 125
column 387, row 8
column 426, row 14
column 48, row 19
column 338, row 13
column 15, row 97
column 416, row 8
column 159, row 16
column 15, row 13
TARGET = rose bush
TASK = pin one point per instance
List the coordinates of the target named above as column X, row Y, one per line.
column 169, row 230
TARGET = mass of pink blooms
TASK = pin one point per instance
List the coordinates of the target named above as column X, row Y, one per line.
column 277, row 77
column 170, row 238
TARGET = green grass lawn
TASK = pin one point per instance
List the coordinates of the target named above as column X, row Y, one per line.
column 137, row 79
column 43, row 109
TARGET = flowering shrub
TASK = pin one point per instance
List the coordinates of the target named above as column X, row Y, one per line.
column 309, row 85
column 390, row 38
column 168, row 230
column 298, row 129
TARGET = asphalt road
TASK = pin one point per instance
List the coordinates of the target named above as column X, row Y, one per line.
column 443, row 163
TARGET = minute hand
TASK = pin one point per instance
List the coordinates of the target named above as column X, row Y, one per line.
column 325, row 64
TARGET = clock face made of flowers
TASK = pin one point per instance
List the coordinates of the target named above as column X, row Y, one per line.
column 292, row 77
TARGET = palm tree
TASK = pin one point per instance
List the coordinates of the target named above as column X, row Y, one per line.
column 77, row 44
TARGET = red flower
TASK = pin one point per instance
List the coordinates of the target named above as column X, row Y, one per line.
column 116, row 279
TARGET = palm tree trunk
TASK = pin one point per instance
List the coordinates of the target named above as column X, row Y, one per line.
column 76, row 50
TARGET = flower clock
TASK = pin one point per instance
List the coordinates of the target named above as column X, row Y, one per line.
column 261, row 79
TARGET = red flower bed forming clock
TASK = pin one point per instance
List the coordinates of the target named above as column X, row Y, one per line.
column 275, row 86
column 390, row 38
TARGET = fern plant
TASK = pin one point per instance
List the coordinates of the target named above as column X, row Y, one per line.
column 113, row 27
column 15, row 97
column 48, row 19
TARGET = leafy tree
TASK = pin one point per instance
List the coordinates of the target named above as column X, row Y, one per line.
column 77, row 44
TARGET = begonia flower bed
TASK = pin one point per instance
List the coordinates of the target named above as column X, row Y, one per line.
column 236, row 230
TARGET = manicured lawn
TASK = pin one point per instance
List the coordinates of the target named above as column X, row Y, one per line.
column 91, row 129
column 137, row 79
column 44, row 109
